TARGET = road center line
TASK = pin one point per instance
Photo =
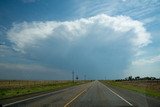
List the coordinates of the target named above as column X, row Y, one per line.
column 118, row 95
column 74, row 98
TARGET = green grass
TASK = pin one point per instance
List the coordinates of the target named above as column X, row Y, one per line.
column 12, row 92
column 139, row 89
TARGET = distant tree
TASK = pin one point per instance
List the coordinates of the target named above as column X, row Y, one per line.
column 153, row 78
column 137, row 78
column 146, row 78
column 126, row 78
column 130, row 78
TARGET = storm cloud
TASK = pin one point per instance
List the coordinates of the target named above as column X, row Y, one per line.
column 96, row 46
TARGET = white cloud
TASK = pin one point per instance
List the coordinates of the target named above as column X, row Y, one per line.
column 150, row 60
column 142, row 71
column 28, row 34
column 99, row 43
column 24, row 34
column 144, row 67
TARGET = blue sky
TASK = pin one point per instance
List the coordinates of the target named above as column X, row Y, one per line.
column 48, row 39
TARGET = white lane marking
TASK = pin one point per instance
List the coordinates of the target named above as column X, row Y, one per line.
column 119, row 96
column 26, row 99
column 31, row 98
column 74, row 98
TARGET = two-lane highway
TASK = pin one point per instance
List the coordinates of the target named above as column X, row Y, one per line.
column 99, row 95
column 93, row 94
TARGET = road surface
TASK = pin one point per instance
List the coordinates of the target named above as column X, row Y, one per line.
column 94, row 94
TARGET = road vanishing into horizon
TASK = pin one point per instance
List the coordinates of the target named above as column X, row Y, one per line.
column 93, row 94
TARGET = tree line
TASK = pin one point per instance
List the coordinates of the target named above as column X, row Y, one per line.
column 130, row 78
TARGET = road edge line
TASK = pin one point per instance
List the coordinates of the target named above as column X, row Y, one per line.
column 74, row 98
column 118, row 96
column 31, row 98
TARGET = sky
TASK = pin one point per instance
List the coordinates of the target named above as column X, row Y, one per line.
column 49, row 39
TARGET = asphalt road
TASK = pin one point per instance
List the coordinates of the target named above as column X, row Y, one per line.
column 100, row 95
column 94, row 94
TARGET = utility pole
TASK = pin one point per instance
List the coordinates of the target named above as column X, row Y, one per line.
column 73, row 76
column 105, row 77
column 84, row 77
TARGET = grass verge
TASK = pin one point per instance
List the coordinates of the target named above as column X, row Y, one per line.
column 13, row 92
column 136, row 88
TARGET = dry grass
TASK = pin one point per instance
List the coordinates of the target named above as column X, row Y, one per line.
column 12, row 84
column 12, row 88
column 147, row 87
column 146, row 84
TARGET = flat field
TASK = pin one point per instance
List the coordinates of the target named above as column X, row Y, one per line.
column 147, row 87
column 13, row 88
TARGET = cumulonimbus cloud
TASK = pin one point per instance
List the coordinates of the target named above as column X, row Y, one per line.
column 96, row 44
column 26, row 34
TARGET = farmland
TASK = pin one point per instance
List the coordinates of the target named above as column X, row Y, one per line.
column 147, row 87
column 13, row 88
